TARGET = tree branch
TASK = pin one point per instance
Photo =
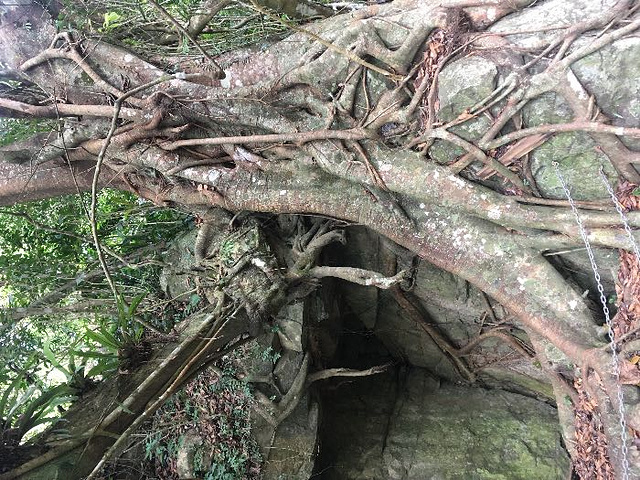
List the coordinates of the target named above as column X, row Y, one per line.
column 297, row 138
column 345, row 372
column 217, row 71
column 595, row 127
column 69, row 51
column 359, row 276
column 476, row 152
column 69, row 110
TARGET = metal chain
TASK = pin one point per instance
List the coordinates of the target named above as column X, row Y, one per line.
column 603, row 300
column 623, row 216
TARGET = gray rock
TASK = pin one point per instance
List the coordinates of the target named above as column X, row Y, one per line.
column 418, row 429
column 611, row 75
column 462, row 85
column 179, row 257
column 578, row 160
column 543, row 15
column 293, row 452
column 186, row 454
column 287, row 369
column 579, row 163
column 289, row 323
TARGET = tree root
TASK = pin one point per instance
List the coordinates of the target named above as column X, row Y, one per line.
column 445, row 346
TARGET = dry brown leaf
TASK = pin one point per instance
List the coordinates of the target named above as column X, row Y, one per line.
column 517, row 150
column 464, row 115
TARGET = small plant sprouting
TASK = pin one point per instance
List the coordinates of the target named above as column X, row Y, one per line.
column 266, row 354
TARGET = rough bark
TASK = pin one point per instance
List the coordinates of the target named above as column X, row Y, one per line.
column 279, row 135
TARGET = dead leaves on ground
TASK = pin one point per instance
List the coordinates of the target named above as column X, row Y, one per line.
column 591, row 461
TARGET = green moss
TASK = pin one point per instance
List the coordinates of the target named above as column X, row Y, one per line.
column 579, row 163
column 445, row 432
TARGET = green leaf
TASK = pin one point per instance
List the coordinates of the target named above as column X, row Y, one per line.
column 42, row 420
column 194, row 299
column 106, row 366
column 112, row 20
column 104, row 338
column 135, row 302
column 14, row 388
column 38, row 407
column 122, row 308
column 21, row 400
column 46, row 350
column 98, row 355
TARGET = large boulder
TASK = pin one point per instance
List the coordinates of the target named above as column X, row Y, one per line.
column 413, row 427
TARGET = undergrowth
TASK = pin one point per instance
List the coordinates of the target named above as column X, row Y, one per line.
column 204, row 431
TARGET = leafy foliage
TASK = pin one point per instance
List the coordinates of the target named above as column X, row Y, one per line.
column 14, row 129
column 59, row 245
column 236, row 26
column 48, row 243
column 25, row 404
column 112, row 20
column 44, row 245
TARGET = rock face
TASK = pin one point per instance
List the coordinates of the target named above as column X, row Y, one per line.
column 611, row 77
column 552, row 13
column 412, row 427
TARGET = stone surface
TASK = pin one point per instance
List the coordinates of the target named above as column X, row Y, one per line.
column 579, row 163
column 544, row 15
column 454, row 307
column 289, row 327
column 287, row 368
column 292, row 454
column 461, row 85
column 611, row 75
column 185, row 457
column 578, row 160
column 179, row 257
column 415, row 428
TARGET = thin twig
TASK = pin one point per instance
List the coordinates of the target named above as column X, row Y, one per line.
column 473, row 150
column 358, row 276
column 217, row 71
column 298, row 138
column 597, row 44
column 514, row 342
column 94, row 184
column 601, row 206
column 345, row 372
column 68, row 110
column 441, row 342
column 72, row 54
column 595, row 127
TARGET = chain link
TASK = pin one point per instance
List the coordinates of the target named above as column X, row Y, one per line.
column 623, row 216
column 603, row 300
